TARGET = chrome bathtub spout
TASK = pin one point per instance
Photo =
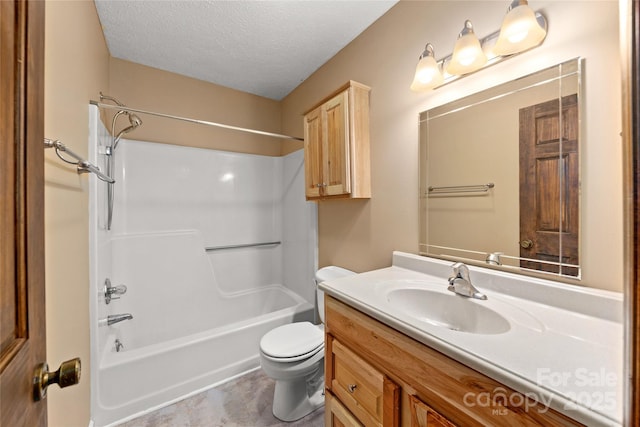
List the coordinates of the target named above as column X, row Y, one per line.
column 460, row 282
column 114, row 318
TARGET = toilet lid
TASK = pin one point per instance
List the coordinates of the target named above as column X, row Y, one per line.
column 292, row 340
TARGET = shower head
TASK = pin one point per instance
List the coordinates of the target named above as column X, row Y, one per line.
column 133, row 119
column 135, row 122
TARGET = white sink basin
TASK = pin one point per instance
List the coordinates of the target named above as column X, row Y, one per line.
column 452, row 311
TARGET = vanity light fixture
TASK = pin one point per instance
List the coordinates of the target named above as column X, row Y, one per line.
column 467, row 54
column 428, row 74
column 522, row 29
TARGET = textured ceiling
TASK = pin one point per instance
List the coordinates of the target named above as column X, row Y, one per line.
column 262, row 47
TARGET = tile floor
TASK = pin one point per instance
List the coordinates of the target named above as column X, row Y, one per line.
column 243, row 402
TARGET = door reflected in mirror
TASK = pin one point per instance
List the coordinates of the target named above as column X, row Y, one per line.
column 500, row 175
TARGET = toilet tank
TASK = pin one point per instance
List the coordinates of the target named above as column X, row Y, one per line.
column 323, row 275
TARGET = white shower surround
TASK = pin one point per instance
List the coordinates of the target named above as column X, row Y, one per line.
column 205, row 311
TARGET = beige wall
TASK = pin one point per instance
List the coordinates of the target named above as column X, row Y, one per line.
column 76, row 68
column 361, row 235
column 160, row 91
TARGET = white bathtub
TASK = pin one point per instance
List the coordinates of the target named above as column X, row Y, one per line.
column 186, row 333
column 135, row 381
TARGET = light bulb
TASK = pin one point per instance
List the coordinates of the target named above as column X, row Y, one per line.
column 520, row 30
column 428, row 74
column 467, row 53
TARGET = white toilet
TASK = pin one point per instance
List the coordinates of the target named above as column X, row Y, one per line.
column 293, row 355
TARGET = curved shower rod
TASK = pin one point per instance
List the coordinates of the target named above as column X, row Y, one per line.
column 186, row 119
column 83, row 165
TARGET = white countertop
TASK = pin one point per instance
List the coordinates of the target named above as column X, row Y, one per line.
column 564, row 346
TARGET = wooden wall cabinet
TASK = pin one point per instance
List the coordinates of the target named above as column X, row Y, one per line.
column 336, row 145
column 377, row 376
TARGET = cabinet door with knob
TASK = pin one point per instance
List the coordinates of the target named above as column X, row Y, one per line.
column 336, row 145
column 367, row 393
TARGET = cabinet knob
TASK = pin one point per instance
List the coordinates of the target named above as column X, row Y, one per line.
column 352, row 387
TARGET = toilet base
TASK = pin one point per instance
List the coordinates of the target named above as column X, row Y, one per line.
column 291, row 400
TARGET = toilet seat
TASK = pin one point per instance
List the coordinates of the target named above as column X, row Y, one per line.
column 292, row 342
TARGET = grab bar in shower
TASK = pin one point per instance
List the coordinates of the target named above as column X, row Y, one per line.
column 83, row 165
column 246, row 245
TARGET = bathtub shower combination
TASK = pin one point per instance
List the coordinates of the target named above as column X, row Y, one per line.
column 207, row 251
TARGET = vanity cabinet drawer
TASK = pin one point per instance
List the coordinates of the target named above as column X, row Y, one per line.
column 337, row 415
column 366, row 392
column 424, row 416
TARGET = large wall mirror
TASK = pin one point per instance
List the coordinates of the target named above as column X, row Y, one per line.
column 500, row 175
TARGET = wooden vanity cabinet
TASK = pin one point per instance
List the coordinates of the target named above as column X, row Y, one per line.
column 377, row 376
column 336, row 145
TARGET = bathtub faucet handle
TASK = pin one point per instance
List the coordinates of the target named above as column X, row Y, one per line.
column 112, row 292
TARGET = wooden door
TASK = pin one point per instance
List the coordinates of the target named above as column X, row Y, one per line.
column 22, row 327
column 313, row 153
column 630, row 40
column 336, row 174
column 549, row 185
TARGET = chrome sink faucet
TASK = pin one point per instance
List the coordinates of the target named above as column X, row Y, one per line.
column 460, row 282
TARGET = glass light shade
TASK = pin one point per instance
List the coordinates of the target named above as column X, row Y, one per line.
column 520, row 31
column 467, row 54
column 428, row 74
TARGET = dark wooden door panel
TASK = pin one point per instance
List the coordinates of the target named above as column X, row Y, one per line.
column 22, row 324
column 549, row 185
